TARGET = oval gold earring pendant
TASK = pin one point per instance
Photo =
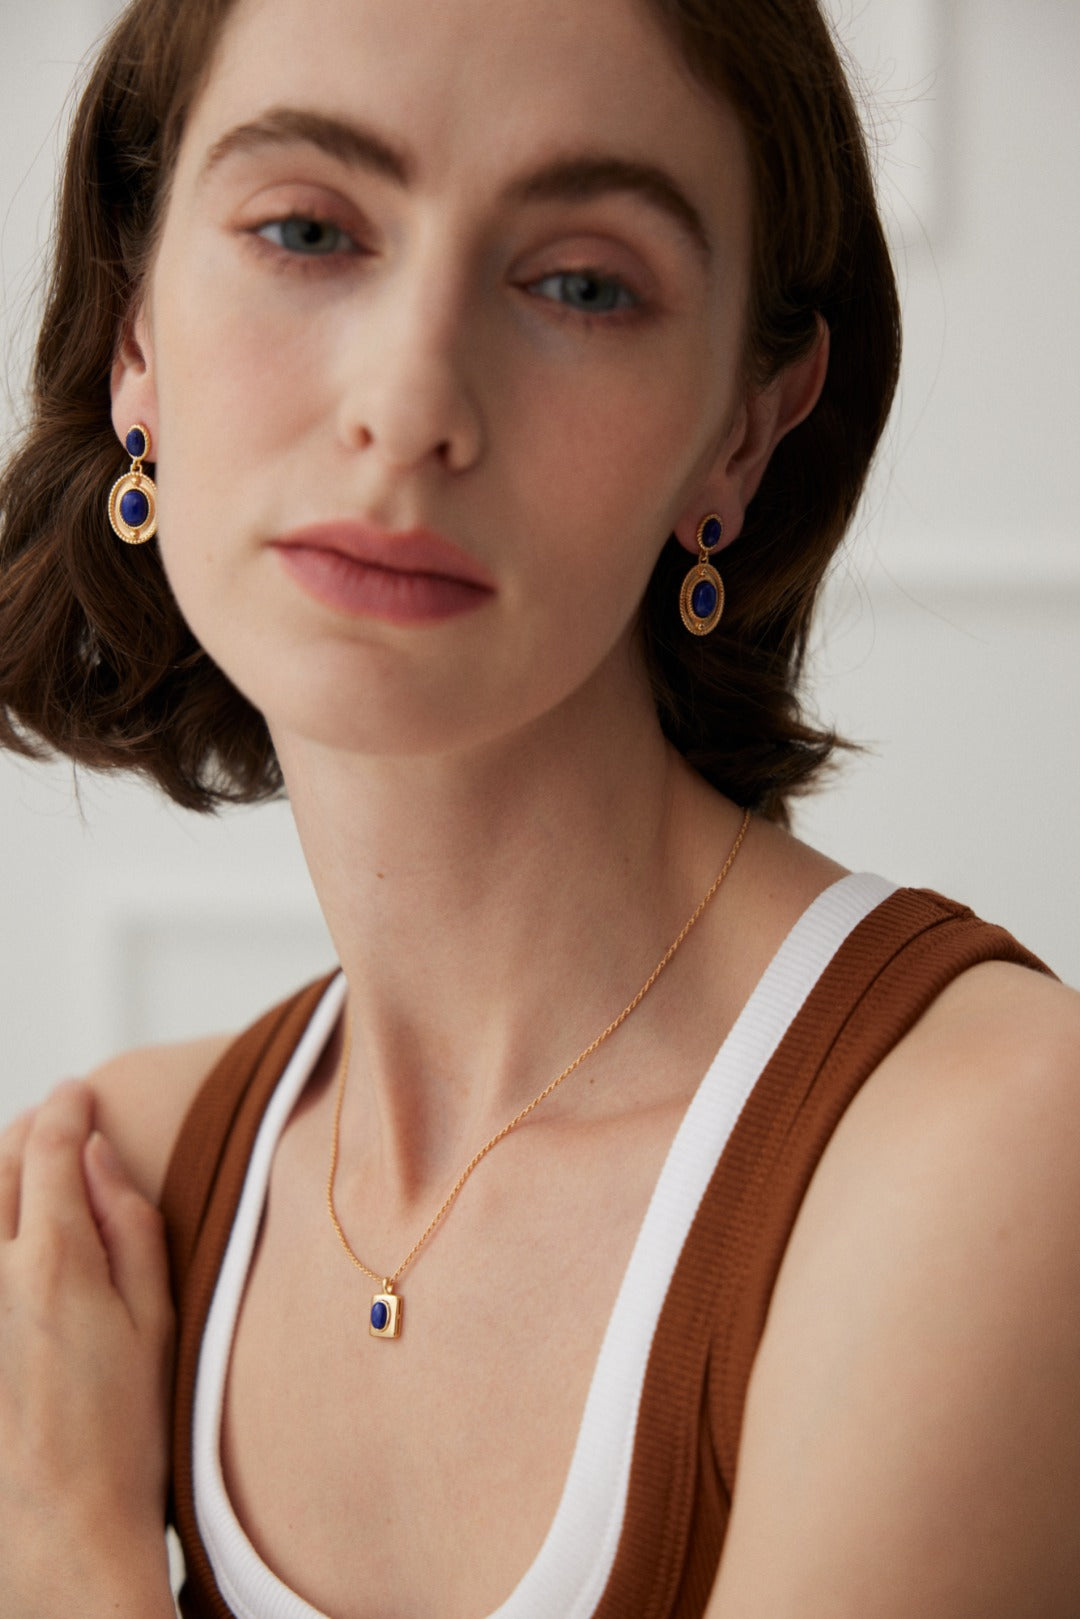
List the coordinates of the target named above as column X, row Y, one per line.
column 701, row 600
column 133, row 498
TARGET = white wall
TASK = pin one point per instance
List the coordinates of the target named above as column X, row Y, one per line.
column 949, row 639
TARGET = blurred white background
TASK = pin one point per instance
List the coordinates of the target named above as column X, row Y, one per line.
column 948, row 641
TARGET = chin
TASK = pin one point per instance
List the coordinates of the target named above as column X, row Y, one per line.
column 367, row 719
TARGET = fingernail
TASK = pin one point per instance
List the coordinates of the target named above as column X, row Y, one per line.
column 105, row 1153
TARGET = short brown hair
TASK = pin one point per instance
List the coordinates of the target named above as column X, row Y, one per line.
column 96, row 661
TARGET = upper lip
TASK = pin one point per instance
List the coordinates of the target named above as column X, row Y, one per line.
column 413, row 550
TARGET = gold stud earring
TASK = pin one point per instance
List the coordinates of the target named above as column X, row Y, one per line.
column 133, row 498
column 701, row 600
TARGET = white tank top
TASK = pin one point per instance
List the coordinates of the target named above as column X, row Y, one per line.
column 569, row 1573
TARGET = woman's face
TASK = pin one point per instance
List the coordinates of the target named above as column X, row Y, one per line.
column 478, row 267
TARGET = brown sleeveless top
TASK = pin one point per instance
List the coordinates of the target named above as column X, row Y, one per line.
column 883, row 977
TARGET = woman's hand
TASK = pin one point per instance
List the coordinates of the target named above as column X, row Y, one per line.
column 86, row 1331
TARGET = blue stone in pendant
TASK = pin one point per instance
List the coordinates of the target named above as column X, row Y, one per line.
column 703, row 599
column 711, row 535
column 135, row 443
column 380, row 1315
column 134, row 508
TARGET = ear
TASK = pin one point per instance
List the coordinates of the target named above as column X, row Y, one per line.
column 759, row 424
column 131, row 381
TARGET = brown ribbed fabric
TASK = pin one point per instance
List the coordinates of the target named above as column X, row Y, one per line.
column 884, row 976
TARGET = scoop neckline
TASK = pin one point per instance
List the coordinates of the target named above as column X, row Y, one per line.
column 572, row 1565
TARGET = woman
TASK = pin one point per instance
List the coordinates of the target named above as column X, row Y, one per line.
column 508, row 375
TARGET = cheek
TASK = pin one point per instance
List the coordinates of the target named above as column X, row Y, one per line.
column 611, row 457
column 238, row 392
column 618, row 428
column 232, row 375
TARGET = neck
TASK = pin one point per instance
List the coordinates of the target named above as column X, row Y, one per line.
column 492, row 914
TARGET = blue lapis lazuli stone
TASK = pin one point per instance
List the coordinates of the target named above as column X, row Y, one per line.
column 704, row 598
column 711, row 535
column 135, row 443
column 380, row 1315
column 134, row 508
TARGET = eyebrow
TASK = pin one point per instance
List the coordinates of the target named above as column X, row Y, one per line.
column 575, row 178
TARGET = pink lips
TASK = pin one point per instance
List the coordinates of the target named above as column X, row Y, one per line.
column 413, row 576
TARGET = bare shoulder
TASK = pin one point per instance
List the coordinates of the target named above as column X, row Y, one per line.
column 141, row 1098
column 1030, row 1011
column 998, row 1047
column 912, row 1432
column 995, row 1060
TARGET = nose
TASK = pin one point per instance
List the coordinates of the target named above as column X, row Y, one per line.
column 411, row 370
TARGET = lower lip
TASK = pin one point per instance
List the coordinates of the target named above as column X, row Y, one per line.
column 371, row 592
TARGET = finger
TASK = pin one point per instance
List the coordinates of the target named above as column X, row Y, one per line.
column 12, row 1147
column 133, row 1235
column 53, row 1189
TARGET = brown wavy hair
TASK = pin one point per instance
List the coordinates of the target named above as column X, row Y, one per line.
column 96, row 661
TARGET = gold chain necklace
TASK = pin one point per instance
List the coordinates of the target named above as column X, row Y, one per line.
column 386, row 1306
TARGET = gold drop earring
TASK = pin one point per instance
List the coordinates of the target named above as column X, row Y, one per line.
column 133, row 498
column 701, row 600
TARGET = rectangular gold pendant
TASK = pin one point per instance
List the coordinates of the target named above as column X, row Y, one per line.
column 385, row 1316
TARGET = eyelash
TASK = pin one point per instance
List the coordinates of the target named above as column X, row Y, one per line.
column 290, row 261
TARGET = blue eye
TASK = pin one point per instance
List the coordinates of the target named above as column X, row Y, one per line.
column 309, row 238
column 589, row 293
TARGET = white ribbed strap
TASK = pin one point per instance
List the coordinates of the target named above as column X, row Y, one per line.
column 251, row 1590
column 573, row 1565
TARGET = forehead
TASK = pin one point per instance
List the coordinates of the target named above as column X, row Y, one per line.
column 478, row 87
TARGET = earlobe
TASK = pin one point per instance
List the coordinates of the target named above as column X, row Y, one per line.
column 801, row 383
column 761, row 421
column 771, row 413
column 131, row 381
